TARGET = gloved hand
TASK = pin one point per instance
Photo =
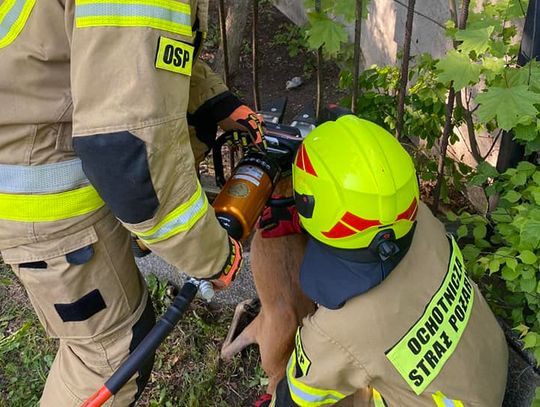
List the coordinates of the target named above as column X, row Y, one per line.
column 231, row 268
column 243, row 118
column 277, row 222
column 263, row 401
column 230, row 113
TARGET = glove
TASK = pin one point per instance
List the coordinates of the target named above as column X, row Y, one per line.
column 277, row 222
column 232, row 114
column 263, row 401
column 251, row 122
column 231, row 268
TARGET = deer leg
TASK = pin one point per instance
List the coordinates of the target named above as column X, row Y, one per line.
column 243, row 329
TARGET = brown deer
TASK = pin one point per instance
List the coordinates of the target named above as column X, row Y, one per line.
column 275, row 265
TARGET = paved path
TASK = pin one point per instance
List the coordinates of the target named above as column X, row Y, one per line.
column 240, row 289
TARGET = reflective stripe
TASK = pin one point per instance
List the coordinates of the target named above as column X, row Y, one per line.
column 42, row 179
column 377, row 398
column 47, row 208
column 179, row 220
column 168, row 15
column 307, row 396
column 442, row 401
column 13, row 17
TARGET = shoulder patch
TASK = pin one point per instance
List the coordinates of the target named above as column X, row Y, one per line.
column 302, row 361
column 422, row 352
column 175, row 56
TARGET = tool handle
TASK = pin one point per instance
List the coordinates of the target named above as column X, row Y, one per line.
column 147, row 347
column 98, row 398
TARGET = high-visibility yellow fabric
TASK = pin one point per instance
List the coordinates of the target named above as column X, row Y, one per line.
column 167, row 15
column 13, row 17
column 442, row 401
column 179, row 220
column 377, row 399
column 307, row 396
column 49, row 207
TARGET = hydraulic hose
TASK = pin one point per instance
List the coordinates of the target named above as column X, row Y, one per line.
column 147, row 347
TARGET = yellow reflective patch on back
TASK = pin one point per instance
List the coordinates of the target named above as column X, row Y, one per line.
column 175, row 56
column 301, row 358
column 421, row 354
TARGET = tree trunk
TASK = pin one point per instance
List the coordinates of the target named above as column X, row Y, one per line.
column 237, row 12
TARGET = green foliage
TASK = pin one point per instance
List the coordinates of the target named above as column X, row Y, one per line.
column 457, row 68
column 187, row 371
column 326, row 26
column 325, row 32
column 25, row 353
column 506, row 261
column 293, row 37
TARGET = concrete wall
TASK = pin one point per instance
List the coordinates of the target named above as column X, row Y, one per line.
column 382, row 38
column 383, row 31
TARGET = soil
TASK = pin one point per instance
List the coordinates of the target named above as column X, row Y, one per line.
column 276, row 66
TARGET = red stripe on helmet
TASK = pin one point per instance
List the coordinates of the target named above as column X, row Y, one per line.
column 300, row 158
column 338, row 231
column 410, row 212
column 307, row 163
column 358, row 223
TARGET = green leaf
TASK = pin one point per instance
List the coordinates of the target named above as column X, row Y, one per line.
column 528, row 257
column 512, row 263
column 494, row 265
column 518, row 179
column 512, row 196
column 479, row 232
column 536, row 178
column 325, row 32
column 530, row 340
column 492, row 66
column 526, row 167
column 347, row 9
column 451, row 216
column 526, row 133
column 470, row 252
column 476, row 40
column 508, row 105
column 458, row 67
column 487, row 169
column 528, row 285
column 508, row 274
column 530, row 233
column 462, row 231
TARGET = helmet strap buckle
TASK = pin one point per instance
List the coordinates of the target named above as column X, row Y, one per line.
column 384, row 245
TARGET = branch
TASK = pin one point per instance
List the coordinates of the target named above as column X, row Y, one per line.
column 357, row 50
column 448, row 125
column 422, row 15
column 404, row 75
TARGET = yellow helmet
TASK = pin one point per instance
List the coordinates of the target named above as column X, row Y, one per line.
column 353, row 180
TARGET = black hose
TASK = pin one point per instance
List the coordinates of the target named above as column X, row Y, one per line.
column 280, row 202
column 154, row 338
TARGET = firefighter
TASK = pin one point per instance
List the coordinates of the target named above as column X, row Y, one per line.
column 397, row 313
column 94, row 144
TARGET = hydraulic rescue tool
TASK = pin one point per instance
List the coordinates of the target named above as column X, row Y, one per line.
column 238, row 206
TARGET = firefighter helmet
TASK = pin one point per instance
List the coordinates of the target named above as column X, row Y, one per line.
column 353, row 180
